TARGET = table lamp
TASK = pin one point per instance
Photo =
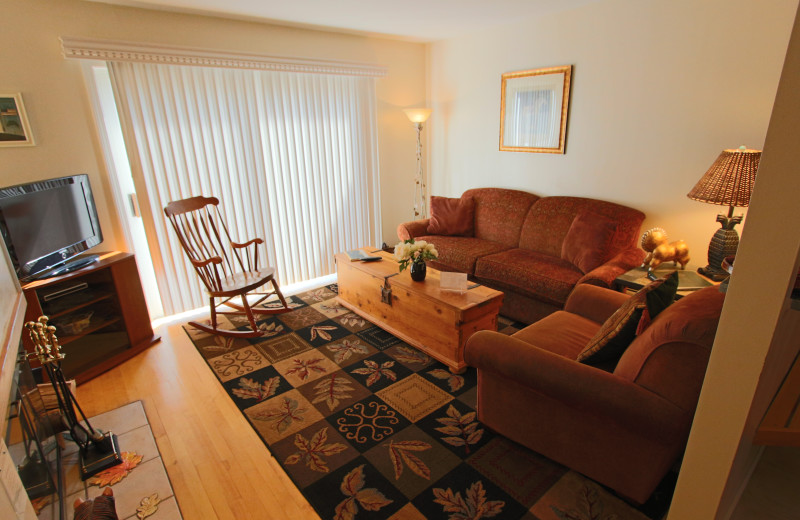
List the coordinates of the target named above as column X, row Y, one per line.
column 419, row 116
column 728, row 182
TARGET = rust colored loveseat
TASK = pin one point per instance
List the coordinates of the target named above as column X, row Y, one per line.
column 534, row 249
column 624, row 428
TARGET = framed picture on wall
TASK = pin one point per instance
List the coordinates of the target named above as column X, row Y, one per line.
column 534, row 105
column 14, row 127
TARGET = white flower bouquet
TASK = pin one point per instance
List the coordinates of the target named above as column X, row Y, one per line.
column 409, row 251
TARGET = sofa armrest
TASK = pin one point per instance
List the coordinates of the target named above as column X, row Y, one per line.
column 594, row 303
column 605, row 275
column 413, row 229
column 578, row 386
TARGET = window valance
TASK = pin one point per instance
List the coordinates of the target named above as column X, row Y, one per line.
column 110, row 50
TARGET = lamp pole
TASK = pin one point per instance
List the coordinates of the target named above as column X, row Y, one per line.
column 420, row 191
column 419, row 116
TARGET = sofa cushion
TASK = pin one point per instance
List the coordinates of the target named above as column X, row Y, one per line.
column 459, row 253
column 562, row 333
column 449, row 216
column 588, row 241
column 547, row 278
column 619, row 330
column 550, row 219
column 499, row 213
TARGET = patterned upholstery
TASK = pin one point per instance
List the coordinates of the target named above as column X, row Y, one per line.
column 517, row 247
column 500, row 213
column 551, row 217
column 545, row 277
column 460, row 253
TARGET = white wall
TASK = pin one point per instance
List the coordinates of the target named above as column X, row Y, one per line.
column 757, row 340
column 659, row 90
column 59, row 110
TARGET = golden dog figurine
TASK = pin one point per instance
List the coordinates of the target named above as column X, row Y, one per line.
column 654, row 241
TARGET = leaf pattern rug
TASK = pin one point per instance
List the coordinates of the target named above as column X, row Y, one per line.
column 368, row 427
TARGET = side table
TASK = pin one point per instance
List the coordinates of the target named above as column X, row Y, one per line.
column 688, row 280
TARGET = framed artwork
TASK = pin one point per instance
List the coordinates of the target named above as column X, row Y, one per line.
column 14, row 127
column 534, row 105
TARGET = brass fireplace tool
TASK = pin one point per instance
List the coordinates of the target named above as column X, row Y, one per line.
column 98, row 450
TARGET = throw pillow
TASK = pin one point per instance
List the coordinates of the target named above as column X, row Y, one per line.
column 453, row 217
column 587, row 242
column 619, row 330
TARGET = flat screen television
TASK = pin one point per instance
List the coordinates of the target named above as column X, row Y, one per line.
column 47, row 224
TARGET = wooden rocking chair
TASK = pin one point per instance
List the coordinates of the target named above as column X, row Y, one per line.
column 228, row 269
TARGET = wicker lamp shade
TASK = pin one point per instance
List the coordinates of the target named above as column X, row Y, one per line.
column 730, row 179
column 728, row 182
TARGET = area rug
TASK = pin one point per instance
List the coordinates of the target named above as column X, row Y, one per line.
column 368, row 427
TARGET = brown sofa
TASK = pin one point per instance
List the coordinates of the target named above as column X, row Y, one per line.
column 624, row 428
column 518, row 244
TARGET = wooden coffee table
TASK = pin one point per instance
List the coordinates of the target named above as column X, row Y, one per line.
column 436, row 322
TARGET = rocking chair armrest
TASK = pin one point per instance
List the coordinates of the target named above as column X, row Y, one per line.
column 203, row 263
column 237, row 245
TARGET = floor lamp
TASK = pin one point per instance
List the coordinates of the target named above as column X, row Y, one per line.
column 419, row 116
column 728, row 182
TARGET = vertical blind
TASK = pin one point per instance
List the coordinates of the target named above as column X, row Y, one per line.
column 292, row 157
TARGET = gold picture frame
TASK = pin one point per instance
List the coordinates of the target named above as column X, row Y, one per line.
column 15, row 130
column 534, row 105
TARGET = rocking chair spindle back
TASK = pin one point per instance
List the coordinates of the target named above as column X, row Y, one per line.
column 227, row 269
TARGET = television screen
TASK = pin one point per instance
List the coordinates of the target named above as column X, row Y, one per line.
column 45, row 224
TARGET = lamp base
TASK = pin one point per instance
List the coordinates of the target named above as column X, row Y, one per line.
column 723, row 244
column 99, row 456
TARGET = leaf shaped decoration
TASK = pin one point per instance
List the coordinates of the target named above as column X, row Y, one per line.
column 455, row 441
column 473, row 507
column 116, row 473
column 332, row 391
column 347, row 348
column 352, row 487
column 412, row 356
column 284, row 415
column 148, row 506
column 270, row 329
column 352, row 320
column 416, row 465
column 221, row 343
column 321, row 331
column 376, row 371
column 251, row 389
column 270, row 386
column 346, row 510
column 453, row 503
column 313, row 451
column 371, row 499
column 476, row 499
column 449, row 430
column 304, row 367
column 461, row 430
column 399, row 452
column 353, row 481
column 455, row 381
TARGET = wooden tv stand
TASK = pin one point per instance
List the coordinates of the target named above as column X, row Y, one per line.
column 99, row 312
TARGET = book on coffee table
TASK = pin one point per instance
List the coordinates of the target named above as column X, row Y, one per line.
column 357, row 254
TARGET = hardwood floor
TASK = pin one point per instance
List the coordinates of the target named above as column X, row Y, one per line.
column 218, row 466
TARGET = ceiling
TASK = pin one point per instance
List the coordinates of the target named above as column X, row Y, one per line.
column 418, row 20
